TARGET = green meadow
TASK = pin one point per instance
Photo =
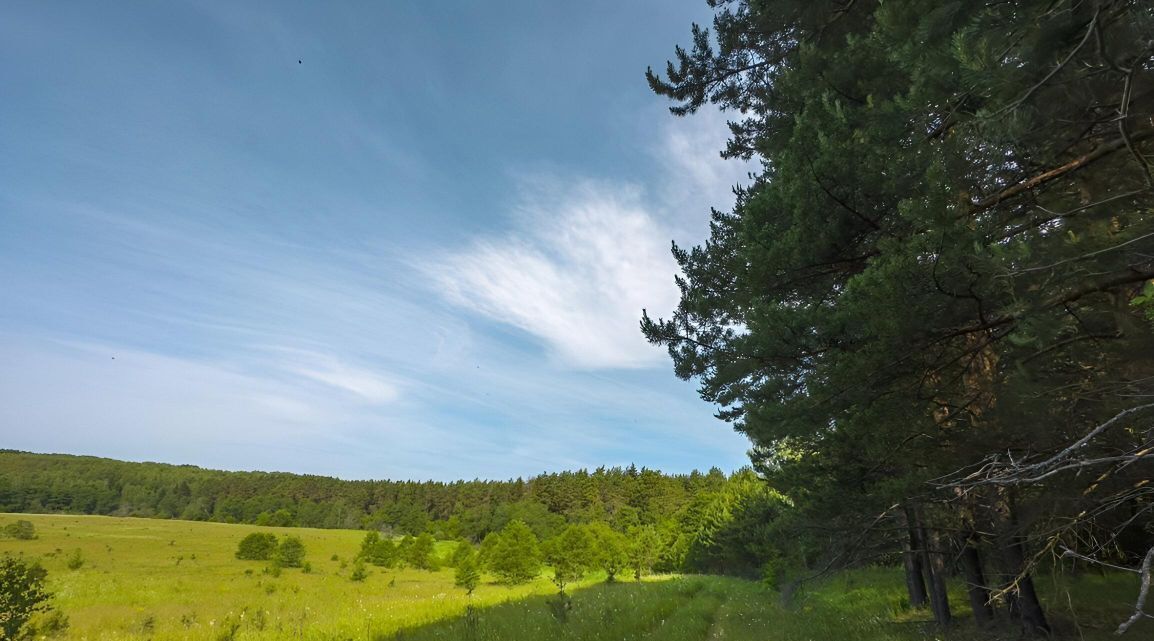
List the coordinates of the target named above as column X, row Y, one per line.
column 166, row 579
column 861, row 605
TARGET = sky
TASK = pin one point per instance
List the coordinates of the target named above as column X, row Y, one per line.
column 359, row 239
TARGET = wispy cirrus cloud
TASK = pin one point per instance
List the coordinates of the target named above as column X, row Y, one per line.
column 584, row 261
column 585, row 256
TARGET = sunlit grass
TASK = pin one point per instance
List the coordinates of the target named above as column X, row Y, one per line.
column 861, row 605
column 157, row 579
column 154, row 579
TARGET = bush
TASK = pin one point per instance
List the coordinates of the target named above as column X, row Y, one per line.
column 53, row 624
column 359, row 573
column 23, row 530
column 290, row 553
column 76, row 560
column 258, row 546
column 378, row 551
column 22, row 594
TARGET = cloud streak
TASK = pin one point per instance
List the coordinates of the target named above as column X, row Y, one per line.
column 576, row 274
column 586, row 256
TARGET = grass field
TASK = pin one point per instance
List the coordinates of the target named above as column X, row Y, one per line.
column 862, row 605
column 154, row 579
column 157, row 579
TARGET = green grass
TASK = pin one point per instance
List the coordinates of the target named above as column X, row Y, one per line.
column 157, row 579
column 154, row 579
column 862, row 605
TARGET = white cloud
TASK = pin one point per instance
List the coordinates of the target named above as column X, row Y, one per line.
column 585, row 261
column 363, row 383
column 696, row 178
column 587, row 256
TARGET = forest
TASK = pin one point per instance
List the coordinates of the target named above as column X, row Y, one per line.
column 931, row 309
column 709, row 522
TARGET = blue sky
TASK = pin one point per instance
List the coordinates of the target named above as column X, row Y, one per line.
column 419, row 252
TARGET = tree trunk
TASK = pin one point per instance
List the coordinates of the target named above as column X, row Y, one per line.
column 935, row 566
column 912, row 560
column 1021, row 596
column 971, row 561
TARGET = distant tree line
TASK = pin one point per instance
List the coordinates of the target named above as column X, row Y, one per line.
column 704, row 522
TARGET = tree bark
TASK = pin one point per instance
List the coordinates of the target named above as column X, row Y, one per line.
column 1021, row 597
column 971, row 561
column 935, row 566
column 912, row 560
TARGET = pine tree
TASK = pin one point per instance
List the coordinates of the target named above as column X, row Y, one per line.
column 937, row 258
column 468, row 573
column 571, row 554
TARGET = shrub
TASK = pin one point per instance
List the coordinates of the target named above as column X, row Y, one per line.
column 23, row 530
column 359, row 573
column 22, row 594
column 378, row 551
column 76, row 560
column 53, row 624
column 290, row 553
column 258, row 546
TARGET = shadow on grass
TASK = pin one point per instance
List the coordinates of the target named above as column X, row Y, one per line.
column 859, row 605
column 675, row 609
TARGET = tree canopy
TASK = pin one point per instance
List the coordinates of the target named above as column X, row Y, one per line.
column 22, row 594
column 942, row 257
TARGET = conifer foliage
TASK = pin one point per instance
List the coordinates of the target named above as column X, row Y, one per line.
column 939, row 265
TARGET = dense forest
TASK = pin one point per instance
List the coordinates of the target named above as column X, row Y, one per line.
column 930, row 309
column 707, row 522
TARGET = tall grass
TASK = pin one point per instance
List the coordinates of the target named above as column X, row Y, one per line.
column 166, row 580
column 862, row 605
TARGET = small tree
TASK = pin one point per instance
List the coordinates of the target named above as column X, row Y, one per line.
column 485, row 552
column 643, row 550
column 404, row 548
column 516, row 556
column 379, row 551
column 420, row 553
column 571, row 554
column 369, row 543
column 258, row 546
column 468, row 575
column 290, row 553
column 23, row 530
column 610, row 549
column 359, row 573
column 22, row 594
column 463, row 550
